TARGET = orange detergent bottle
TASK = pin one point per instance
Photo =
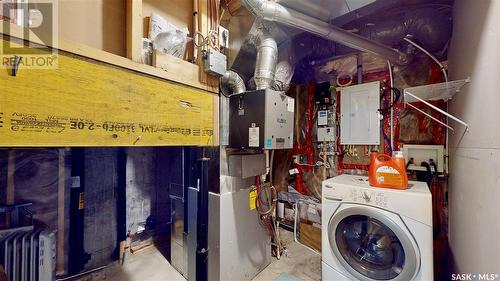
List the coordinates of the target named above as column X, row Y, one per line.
column 386, row 171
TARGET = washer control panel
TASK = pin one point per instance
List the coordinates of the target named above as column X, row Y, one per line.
column 365, row 196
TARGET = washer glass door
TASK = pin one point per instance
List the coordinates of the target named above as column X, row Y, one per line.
column 372, row 247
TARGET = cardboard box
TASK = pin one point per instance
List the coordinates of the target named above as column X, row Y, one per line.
column 310, row 235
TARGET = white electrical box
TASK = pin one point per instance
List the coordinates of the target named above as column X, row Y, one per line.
column 326, row 134
column 359, row 119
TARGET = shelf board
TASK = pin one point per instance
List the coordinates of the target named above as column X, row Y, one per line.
column 440, row 91
column 174, row 74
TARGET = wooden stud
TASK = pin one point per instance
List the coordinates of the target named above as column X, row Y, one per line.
column 170, row 63
column 204, row 28
column 134, row 29
column 61, row 204
column 11, row 168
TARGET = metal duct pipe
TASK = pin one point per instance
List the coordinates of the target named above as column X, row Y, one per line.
column 273, row 11
column 312, row 8
column 232, row 83
column 265, row 65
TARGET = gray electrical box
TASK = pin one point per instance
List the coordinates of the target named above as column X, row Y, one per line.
column 214, row 62
column 261, row 119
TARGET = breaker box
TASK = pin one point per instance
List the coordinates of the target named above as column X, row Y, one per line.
column 261, row 119
column 359, row 116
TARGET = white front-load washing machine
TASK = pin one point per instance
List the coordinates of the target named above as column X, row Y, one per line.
column 373, row 233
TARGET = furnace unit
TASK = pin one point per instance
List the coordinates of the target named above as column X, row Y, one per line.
column 261, row 119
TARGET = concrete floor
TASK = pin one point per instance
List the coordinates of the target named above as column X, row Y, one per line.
column 299, row 263
column 148, row 265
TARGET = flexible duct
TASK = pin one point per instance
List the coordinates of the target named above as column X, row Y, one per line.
column 273, row 11
column 265, row 66
column 232, row 84
column 430, row 27
column 283, row 76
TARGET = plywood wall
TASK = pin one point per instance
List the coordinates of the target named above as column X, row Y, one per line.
column 179, row 12
column 96, row 23
column 102, row 23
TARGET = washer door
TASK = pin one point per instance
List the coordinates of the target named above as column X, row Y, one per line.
column 371, row 245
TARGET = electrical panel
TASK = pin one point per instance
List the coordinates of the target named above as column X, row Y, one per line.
column 359, row 119
column 262, row 119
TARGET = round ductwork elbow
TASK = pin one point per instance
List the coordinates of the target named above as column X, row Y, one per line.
column 232, row 83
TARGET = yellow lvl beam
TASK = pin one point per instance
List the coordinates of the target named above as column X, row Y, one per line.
column 88, row 103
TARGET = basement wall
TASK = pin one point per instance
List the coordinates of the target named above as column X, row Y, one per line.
column 149, row 172
column 148, row 176
column 474, row 189
column 100, row 219
column 40, row 177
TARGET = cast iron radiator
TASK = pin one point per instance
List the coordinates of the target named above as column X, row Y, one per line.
column 28, row 253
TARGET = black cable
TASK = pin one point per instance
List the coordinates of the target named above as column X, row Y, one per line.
column 433, row 164
column 397, row 93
